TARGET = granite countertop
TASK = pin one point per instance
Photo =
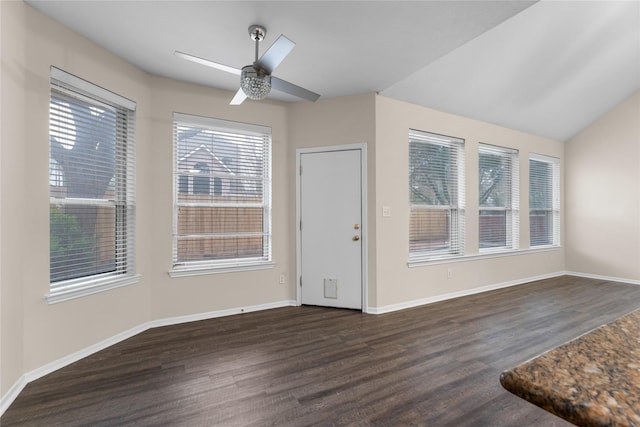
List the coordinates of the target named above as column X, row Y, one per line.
column 593, row 380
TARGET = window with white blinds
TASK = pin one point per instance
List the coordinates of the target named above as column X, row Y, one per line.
column 91, row 182
column 498, row 198
column 436, row 196
column 222, row 181
column 544, row 201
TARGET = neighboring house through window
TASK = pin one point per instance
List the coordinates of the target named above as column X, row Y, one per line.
column 544, row 201
column 436, row 196
column 223, row 195
column 201, row 179
column 92, row 194
column 498, row 198
column 56, row 174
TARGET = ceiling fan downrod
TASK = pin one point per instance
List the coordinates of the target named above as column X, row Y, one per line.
column 255, row 81
column 257, row 34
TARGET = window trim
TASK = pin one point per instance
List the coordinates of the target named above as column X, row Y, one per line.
column 82, row 85
column 195, row 270
column 85, row 91
column 81, row 287
column 480, row 256
column 512, row 211
column 204, row 267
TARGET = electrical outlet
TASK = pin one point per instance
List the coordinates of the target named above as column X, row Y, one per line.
column 450, row 273
column 283, row 279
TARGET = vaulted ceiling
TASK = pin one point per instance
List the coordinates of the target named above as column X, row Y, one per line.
column 548, row 68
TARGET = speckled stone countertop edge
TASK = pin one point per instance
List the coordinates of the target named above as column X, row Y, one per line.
column 591, row 380
column 550, row 402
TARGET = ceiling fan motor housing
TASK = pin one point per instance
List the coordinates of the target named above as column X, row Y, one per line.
column 257, row 32
column 255, row 82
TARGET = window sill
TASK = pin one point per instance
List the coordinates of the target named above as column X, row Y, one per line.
column 495, row 254
column 90, row 287
column 199, row 270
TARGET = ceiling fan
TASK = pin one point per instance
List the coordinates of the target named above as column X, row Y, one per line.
column 256, row 80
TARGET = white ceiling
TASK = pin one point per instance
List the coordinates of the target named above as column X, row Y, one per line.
column 548, row 68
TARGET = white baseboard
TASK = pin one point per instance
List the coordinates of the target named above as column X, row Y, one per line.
column 429, row 300
column 11, row 395
column 26, row 378
column 220, row 313
column 606, row 278
column 40, row 372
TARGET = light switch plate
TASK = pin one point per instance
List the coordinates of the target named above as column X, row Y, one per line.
column 386, row 211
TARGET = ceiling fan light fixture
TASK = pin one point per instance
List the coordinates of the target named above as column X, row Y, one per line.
column 255, row 83
column 255, row 79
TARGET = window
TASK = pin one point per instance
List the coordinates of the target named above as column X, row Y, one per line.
column 498, row 198
column 91, row 179
column 544, row 201
column 222, row 194
column 201, row 179
column 436, row 195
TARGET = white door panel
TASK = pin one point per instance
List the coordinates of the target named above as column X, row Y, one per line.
column 331, row 228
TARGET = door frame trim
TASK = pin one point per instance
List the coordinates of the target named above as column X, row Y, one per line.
column 362, row 147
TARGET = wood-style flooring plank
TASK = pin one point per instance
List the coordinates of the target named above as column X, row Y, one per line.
column 433, row 365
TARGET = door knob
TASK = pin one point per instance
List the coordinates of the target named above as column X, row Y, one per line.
column 356, row 238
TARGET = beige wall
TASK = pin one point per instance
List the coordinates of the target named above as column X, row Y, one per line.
column 603, row 195
column 397, row 283
column 337, row 121
column 48, row 332
column 35, row 333
column 205, row 293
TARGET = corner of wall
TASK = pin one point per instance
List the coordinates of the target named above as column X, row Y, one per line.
column 603, row 196
column 12, row 95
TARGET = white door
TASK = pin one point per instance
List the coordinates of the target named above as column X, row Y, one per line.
column 331, row 228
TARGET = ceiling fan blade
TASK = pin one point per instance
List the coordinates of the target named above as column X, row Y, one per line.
column 238, row 98
column 208, row 63
column 275, row 54
column 291, row 89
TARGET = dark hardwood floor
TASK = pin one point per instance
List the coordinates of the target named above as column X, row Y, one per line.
column 433, row 365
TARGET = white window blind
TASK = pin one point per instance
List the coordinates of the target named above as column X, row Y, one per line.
column 222, row 180
column 436, row 196
column 544, row 201
column 92, row 184
column 499, row 196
